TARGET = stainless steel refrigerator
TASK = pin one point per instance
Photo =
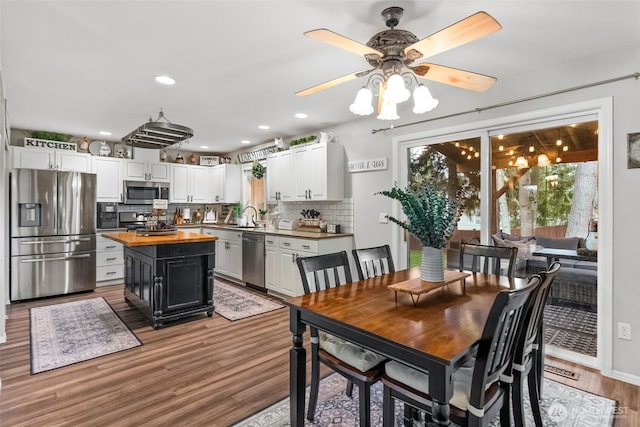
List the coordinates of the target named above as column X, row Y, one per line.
column 53, row 225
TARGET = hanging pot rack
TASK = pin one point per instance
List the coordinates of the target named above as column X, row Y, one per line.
column 158, row 134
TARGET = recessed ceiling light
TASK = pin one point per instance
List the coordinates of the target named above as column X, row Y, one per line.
column 105, row 133
column 264, row 127
column 204, row 146
column 301, row 115
column 244, row 141
column 165, row 80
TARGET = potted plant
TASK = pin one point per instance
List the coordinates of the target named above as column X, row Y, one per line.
column 237, row 213
column 432, row 217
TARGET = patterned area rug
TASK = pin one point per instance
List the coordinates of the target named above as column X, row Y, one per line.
column 571, row 329
column 72, row 332
column 562, row 406
column 234, row 303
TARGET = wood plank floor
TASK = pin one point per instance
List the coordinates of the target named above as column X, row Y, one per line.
column 200, row 372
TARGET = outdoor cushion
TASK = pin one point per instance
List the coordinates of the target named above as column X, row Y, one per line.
column 566, row 243
column 420, row 381
column 506, row 236
column 356, row 356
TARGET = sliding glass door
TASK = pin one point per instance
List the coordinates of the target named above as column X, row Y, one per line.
column 532, row 186
column 452, row 166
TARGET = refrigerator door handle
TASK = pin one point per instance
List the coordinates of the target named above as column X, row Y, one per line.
column 55, row 259
column 39, row 242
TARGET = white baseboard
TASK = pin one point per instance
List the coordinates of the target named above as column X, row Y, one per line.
column 628, row 378
column 571, row 356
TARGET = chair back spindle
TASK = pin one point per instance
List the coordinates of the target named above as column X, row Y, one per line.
column 373, row 262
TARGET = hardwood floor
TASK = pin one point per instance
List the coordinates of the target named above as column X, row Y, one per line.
column 200, row 372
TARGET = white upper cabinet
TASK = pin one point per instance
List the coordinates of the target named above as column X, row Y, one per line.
column 144, row 170
column 37, row 158
column 109, row 187
column 203, row 184
column 318, row 172
column 279, row 176
column 226, row 183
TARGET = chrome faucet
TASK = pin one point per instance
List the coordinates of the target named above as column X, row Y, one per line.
column 255, row 217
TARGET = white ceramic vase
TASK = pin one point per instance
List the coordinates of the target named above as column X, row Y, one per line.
column 432, row 265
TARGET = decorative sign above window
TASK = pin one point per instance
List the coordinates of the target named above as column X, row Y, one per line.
column 49, row 145
column 256, row 155
column 367, row 165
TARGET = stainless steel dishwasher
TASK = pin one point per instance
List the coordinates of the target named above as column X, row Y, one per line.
column 253, row 259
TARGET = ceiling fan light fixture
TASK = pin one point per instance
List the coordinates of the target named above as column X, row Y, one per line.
column 396, row 91
column 422, row 100
column 362, row 104
column 388, row 111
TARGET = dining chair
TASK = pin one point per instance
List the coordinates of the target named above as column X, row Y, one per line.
column 493, row 258
column 358, row 365
column 372, row 262
column 481, row 386
column 528, row 359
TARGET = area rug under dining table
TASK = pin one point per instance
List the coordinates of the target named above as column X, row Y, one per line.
column 562, row 406
column 72, row 332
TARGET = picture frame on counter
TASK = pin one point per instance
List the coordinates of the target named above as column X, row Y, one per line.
column 209, row 160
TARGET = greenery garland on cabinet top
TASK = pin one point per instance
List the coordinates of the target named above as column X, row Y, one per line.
column 431, row 214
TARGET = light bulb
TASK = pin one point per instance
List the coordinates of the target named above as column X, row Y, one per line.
column 388, row 111
column 422, row 100
column 396, row 91
column 362, row 104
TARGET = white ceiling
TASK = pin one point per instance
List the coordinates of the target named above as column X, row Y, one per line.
column 79, row 67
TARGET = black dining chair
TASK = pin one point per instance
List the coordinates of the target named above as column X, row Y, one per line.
column 358, row 365
column 372, row 262
column 528, row 359
column 481, row 386
column 493, row 259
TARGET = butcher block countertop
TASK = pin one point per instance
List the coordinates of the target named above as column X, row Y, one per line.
column 132, row 239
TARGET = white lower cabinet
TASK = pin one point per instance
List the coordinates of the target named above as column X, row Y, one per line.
column 281, row 270
column 228, row 252
column 109, row 261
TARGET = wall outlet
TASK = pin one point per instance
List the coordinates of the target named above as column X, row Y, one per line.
column 384, row 218
column 624, row 331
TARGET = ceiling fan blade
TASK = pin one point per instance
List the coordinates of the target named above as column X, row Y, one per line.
column 332, row 83
column 454, row 77
column 337, row 40
column 469, row 29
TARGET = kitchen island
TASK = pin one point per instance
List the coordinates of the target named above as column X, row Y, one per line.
column 168, row 277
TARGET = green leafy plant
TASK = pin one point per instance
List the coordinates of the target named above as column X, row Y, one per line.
column 50, row 136
column 263, row 211
column 302, row 140
column 432, row 215
column 237, row 210
column 257, row 170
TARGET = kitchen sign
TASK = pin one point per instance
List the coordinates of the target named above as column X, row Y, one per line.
column 367, row 165
column 256, row 155
column 50, row 145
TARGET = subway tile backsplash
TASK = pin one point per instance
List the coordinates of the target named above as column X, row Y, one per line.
column 334, row 212
column 340, row 212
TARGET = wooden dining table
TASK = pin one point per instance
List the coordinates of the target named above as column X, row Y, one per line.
column 435, row 335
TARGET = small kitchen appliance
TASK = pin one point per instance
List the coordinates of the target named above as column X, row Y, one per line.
column 107, row 215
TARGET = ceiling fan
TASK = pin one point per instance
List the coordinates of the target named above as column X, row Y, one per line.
column 393, row 51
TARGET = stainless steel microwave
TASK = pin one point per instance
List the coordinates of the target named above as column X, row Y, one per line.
column 143, row 192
